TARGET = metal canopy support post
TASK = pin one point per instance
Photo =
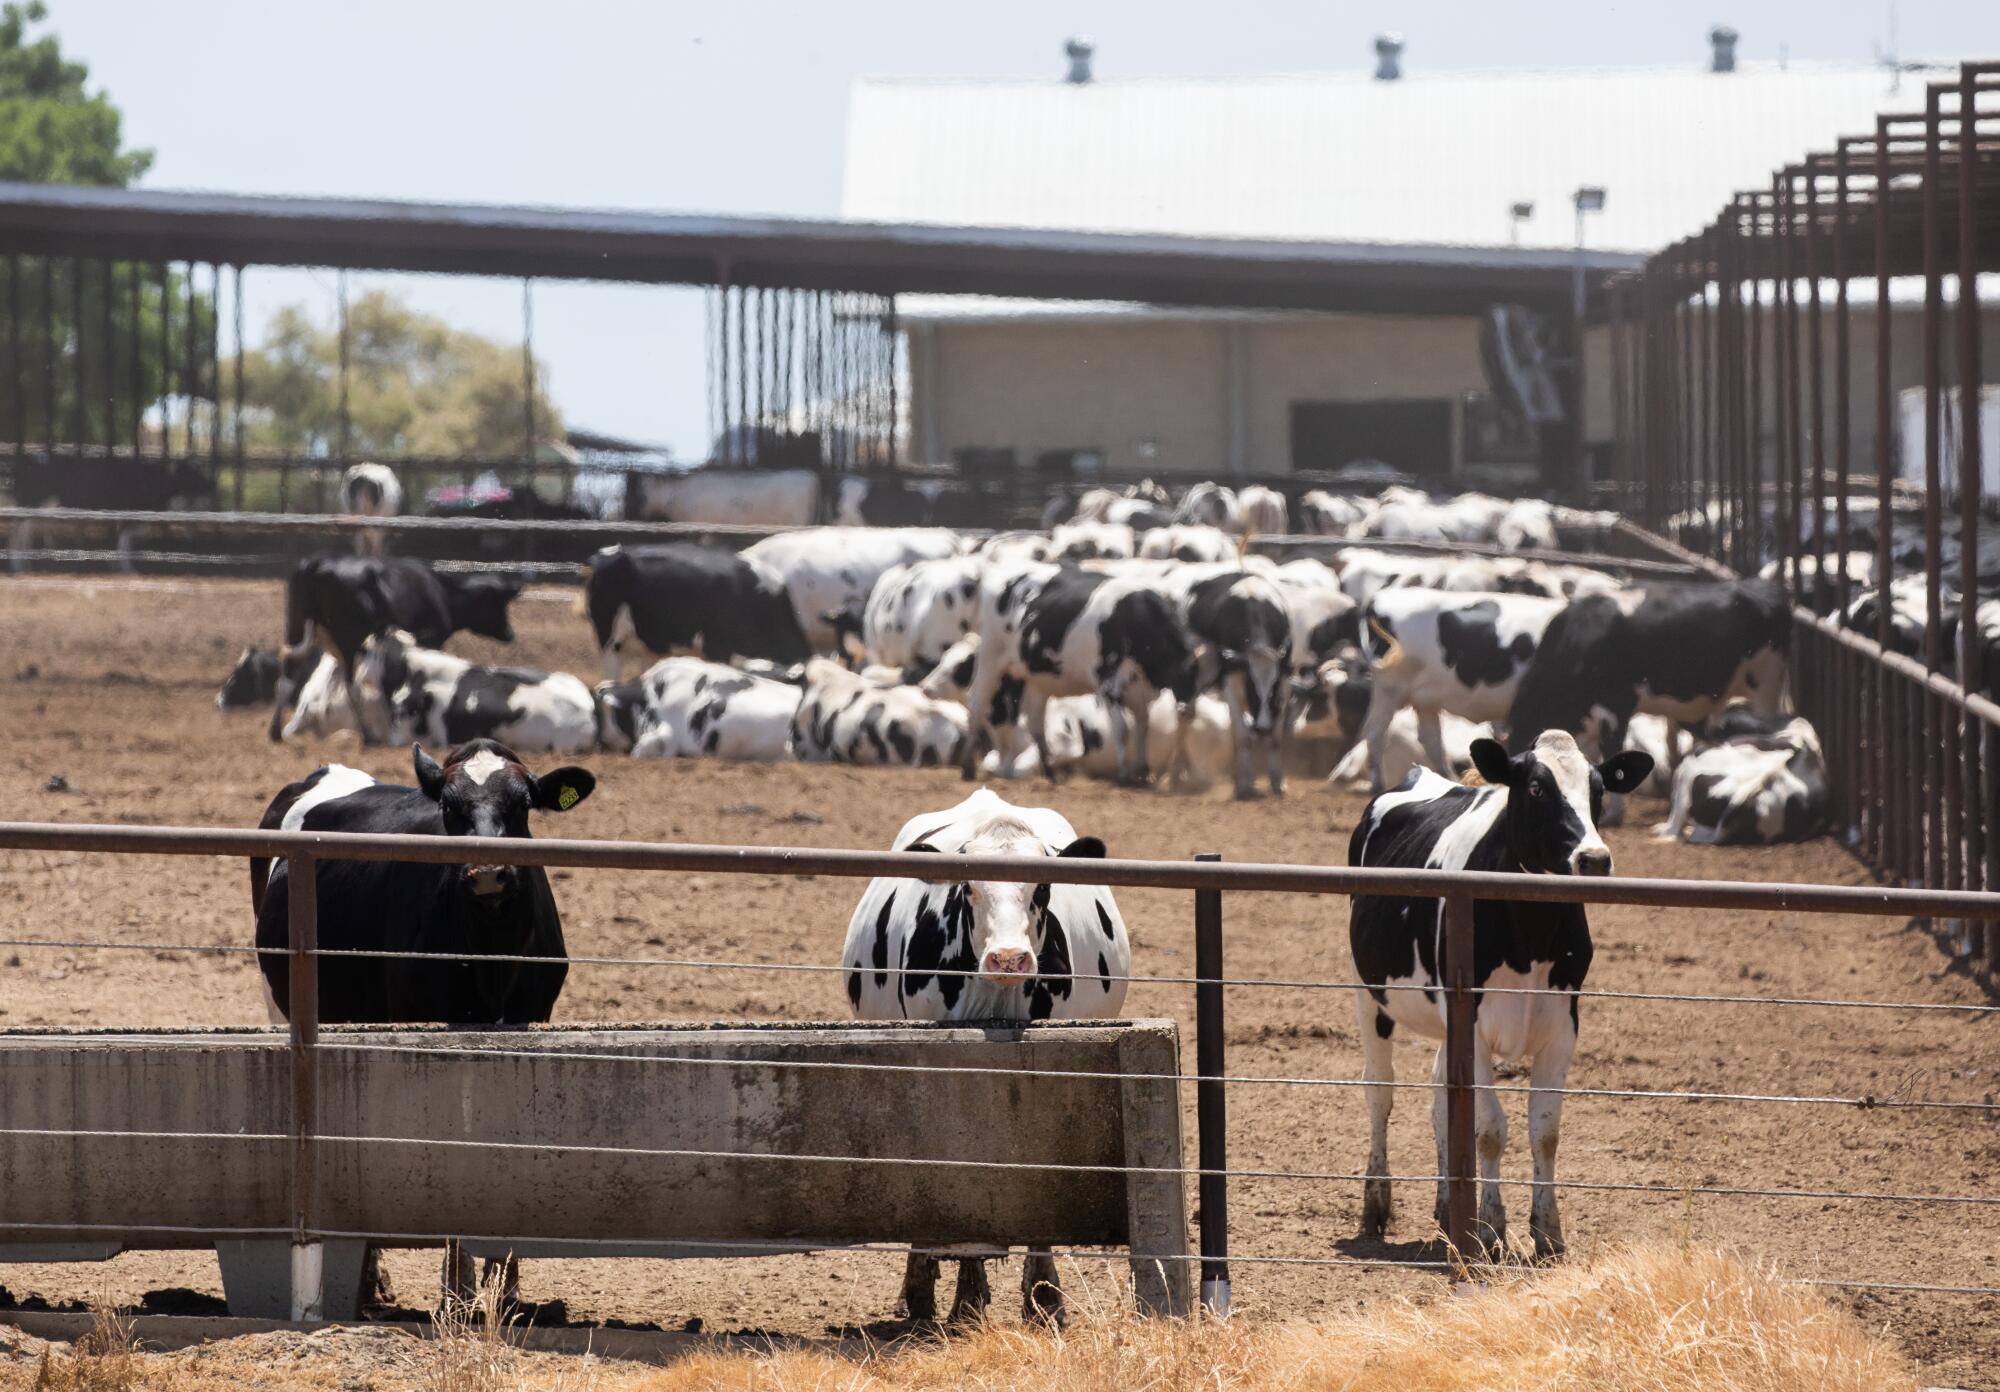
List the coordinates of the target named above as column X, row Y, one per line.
column 1460, row 1142
column 1211, row 1103
column 302, row 922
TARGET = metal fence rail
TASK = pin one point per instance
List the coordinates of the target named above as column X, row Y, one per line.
column 1207, row 878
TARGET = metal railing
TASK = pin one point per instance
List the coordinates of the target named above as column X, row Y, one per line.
column 1206, row 877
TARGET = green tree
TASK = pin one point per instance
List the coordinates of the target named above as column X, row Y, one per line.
column 53, row 130
column 415, row 386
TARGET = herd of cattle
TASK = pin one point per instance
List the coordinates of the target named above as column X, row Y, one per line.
column 1095, row 645
column 1098, row 646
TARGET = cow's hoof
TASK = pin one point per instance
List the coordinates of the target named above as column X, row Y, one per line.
column 1044, row 1305
column 1549, row 1246
column 1376, row 1208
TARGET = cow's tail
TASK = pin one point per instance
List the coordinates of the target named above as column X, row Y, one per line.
column 1391, row 656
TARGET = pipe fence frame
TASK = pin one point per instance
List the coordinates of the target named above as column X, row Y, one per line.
column 1734, row 420
column 1205, row 876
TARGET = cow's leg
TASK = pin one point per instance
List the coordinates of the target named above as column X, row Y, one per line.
column 507, row 1272
column 1440, row 1123
column 920, row 1274
column 1675, row 826
column 375, row 1287
column 973, row 1295
column 456, row 1278
column 1041, row 1288
column 1138, row 704
column 1378, row 1066
column 1035, row 715
column 1490, row 1141
column 1114, row 724
column 1242, row 741
column 1382, row 707
column 979, row 694
column 1545, row 1107
column 623, row 630
column 1430, row 734
column 1274, row 760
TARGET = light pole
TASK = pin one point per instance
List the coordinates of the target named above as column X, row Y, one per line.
column 1589, row 199
column 1518, row 213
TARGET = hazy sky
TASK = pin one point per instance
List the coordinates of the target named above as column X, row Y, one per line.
column 741, row 108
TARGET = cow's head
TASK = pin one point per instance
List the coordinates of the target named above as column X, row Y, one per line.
column 478, row 604
column 619, row 705
column 1007, row 921
column 1332, row 699
column 1266, row 672
column 482, row 789
column 1554, row 798
column 251, row 682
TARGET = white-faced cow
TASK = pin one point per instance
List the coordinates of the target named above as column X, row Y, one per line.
column 1245, row 632
column 1763, row 784
column 957, row 949
column 1262, row 512
column 1537, row 816
column 828, row 569
column 370, row 490
column 683, row 597
column 1682, row 651
column 337, row 601
column 845, row 718
column 1433, row 651
column 683, row 708
column 468, row 916
column 413, row 694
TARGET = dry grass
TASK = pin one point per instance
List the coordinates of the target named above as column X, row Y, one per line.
column 1662, row 1319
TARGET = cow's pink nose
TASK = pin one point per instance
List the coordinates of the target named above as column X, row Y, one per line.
column 1007, row 965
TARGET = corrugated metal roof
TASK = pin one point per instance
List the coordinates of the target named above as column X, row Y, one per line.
column 1430, row 158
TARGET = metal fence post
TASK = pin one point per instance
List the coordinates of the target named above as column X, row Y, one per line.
column 302, row 921
column 1460, row 1174
column 1211, row 1102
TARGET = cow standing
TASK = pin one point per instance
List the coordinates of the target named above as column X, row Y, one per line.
column 1538, row 815
column 370, row 490
column 467, row 913
column 829, row 569
column 1245, row 631
column 679, row 596
column 977, row 950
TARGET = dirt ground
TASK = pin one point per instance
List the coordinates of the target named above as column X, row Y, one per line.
column 110, row 684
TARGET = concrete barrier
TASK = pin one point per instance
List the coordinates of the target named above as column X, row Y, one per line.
column 530, row 1161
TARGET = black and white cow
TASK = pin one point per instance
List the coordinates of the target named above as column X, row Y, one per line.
column 253, row 681
column 1261, row 511
column 680, row 596
column 845, row 718
column 1682, row 651
column 338, row 601
column 946, row 950
column 1757, row 787
column 683, row 707
column 1538, row 815
column 1434, row 651
column 1184, row 541
column 465, row 912
column 828, row 569
column 370, row 490
column 413, row 695
column 1244, row 628
column 918, row 610
column 1329, row 514
column 1142, row 506
column 321, row 704
column 1092, row 541
column 1065, row 631
column 1210, row 505
column 1909, row 615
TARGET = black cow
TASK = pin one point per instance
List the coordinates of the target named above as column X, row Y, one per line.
column 1537, row 816
column 251, row 682
column 345, row 600
column 114, row 482
column 1677, row 650
column 466, row 912
column 682, row 596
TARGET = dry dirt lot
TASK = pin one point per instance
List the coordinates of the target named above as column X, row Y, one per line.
column 110, row 684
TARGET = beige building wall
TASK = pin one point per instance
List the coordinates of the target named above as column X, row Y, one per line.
column 1205, row 396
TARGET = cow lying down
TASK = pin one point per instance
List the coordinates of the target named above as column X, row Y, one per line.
column 1758, row 787
column 948, row 949
column 415, row 694
column 683, row 707
column 318, row 689
column 846, row 718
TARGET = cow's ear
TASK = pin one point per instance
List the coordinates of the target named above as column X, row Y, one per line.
column 430, row 778
column 1490, row 758
column 1083, row 848
column 558, row 790
column 1623, row 773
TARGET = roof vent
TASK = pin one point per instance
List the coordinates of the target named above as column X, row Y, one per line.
column 1388, row 57
column 1079, row 50
column 1722, row 49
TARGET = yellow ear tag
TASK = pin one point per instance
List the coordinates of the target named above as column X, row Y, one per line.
column 566, row 799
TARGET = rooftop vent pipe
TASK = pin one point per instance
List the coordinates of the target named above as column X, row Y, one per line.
column 1079, row 50
column 1388, row 57
column 1722, row 49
